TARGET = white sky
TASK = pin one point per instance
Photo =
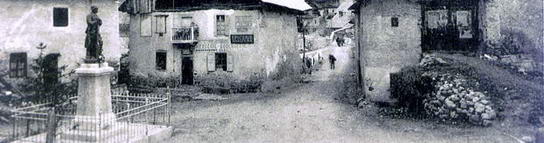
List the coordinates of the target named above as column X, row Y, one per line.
column 294, row 4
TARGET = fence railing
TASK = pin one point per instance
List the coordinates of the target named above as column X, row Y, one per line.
column 185, row 34
column 136, row 116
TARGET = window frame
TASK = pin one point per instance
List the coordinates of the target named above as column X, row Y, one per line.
column 164, row 19
column 161, row 66
column 18, row 65
column 53, row 15
column 221, row 63
column 224, row 26
column 150, row 19
column 241, row 25
column 394, row 21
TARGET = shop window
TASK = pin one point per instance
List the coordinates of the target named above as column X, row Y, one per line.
column 60, row 17
column 160, row 60
column 17, row 65
column 221, row 61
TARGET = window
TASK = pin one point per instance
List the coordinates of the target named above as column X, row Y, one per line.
column 341, row 13
column 243, row 24
column 60, row 17
column 160, row 60
column 124, row 29
column 394, row 22
column 160, row 24
column 145, row 25
column 17, row 65
column 221, row 61
column 221, row 25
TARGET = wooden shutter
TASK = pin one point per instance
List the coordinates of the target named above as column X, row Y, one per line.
column 160, row 24
column 211, row 62
column 227, row 25
column 145, row 25
column 230, row 62
column 145, row 6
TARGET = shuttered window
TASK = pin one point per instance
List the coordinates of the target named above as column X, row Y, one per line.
column 221, row 61
column 145, row 25
column 221, row 23
column 160, row 24
column 17, row 65
column 243, row 24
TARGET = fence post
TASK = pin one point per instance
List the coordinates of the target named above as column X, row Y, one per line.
column 51, row 126
column 27, row 128
column 169, row 98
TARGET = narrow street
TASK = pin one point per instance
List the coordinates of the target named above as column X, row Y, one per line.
column 311, row 113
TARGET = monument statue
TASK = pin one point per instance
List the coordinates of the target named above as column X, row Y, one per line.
column 93, row 40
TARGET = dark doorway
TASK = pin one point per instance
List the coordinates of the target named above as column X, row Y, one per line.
column 187, row 71
column 51, row 71
column 450, row 25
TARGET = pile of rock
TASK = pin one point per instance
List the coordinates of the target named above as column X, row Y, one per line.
column 429, row 60
column 453, row 100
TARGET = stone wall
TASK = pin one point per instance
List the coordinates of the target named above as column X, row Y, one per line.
column 520, row 19
column 386, row 49
column 26, row 23
column 523, row 16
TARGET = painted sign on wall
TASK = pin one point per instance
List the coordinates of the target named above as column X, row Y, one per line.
column 242, row 39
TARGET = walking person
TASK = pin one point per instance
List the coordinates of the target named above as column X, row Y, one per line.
column 308, row 63
column 338, row 42
column 332, row 59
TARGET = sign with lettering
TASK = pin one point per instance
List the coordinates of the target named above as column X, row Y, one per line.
column 242, row 39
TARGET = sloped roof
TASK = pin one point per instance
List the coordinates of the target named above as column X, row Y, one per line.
column 293, row 4
column 319, row 4
column 296, row 5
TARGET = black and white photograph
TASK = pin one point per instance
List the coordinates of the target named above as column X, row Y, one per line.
column 271, row 71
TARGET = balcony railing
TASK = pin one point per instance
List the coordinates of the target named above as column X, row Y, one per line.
column 185, row 34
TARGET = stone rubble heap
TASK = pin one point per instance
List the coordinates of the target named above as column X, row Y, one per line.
column 429, row 61
column 453, row 100
column 454, row 97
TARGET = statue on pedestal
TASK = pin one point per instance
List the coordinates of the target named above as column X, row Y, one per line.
column 93, row 40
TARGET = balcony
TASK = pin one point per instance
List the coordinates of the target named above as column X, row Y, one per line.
column 185, row 35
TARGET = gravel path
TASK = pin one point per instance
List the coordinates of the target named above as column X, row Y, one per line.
column 310, row 113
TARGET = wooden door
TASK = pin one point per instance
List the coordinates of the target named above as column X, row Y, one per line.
column 187, row 71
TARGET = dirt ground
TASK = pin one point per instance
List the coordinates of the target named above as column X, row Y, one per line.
column 314, row 112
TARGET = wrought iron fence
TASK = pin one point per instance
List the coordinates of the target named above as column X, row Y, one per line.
column 136, row 116
column 185, row 34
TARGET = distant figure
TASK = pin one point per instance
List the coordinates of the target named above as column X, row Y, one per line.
column 338, row 42
column 332, row 59
column 308, row 63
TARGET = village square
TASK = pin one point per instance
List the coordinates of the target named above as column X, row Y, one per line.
column 295, row 71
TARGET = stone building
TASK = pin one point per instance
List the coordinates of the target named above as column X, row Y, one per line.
column 394, row 33
column 187, row 39
column 60, row 24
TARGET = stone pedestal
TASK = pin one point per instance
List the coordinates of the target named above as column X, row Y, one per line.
column 95, row 120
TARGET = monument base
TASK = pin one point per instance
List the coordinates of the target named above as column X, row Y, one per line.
column 132, row 133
